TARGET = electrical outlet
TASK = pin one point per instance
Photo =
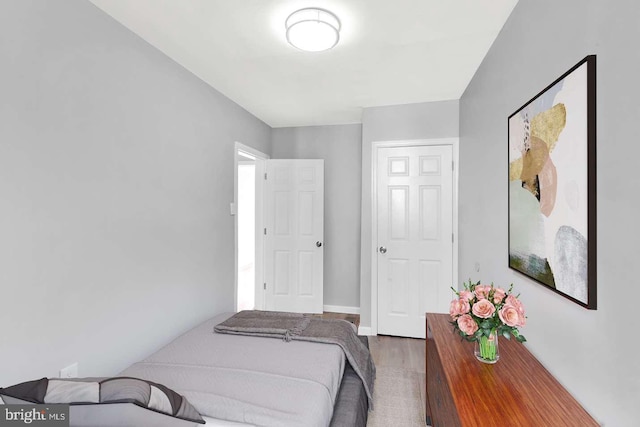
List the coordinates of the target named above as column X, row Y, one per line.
column 70, row 371
column 477, row 266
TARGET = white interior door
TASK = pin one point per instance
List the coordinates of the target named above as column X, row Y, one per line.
column 294, row 253
column 415, row 233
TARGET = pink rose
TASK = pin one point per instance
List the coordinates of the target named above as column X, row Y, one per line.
column 466, row 295
column 523, row 320
column 453, row 309
column 510, row 316
column 458, row 307
column 482, row 291
column 515, row 302
column 498, row 295
column 483, row 309
column 467, row 325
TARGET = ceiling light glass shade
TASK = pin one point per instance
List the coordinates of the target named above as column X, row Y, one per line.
column 313, row 29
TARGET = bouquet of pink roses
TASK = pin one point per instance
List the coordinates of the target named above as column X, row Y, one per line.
column 484, row 310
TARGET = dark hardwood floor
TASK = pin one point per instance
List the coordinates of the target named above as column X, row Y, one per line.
column 399, row 390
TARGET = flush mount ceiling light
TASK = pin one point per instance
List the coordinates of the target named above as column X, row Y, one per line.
column 312, row 29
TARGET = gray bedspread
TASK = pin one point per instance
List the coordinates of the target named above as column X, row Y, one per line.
column 257, row 381
column 293, row 326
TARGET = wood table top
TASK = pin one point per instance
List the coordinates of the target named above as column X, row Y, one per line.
column 517, row 388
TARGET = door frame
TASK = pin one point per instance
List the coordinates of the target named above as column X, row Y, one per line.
column 454, row 143
column 260, row 189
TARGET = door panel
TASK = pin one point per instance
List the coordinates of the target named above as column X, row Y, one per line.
column 430, row 208
column 305, row 273
column 282, row 266
column 399, row 212
column 430, row 280
column 306, row 214
column 281, row 214
column 399, row 272
column 415, row 226
column 294, row 212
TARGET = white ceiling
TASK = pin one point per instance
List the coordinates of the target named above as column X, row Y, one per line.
column 391, row 51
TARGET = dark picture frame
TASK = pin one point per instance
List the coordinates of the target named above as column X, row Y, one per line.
column 552, row 186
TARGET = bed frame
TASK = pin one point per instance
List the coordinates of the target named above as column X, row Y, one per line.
column 351, row 408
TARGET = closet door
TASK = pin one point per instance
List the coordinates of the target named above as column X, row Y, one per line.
column 415, row 236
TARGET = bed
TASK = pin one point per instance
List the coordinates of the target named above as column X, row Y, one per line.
column 240, row 380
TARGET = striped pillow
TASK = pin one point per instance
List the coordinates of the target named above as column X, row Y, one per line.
column 87, row 391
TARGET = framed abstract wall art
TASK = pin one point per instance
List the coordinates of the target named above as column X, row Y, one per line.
column 552, row 186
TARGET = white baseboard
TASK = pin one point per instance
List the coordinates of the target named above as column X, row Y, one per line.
column 364, row 330
column 341, row 309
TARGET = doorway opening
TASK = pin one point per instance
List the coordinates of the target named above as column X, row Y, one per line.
column 249, row 169
column 246, row 232
column 278, row 207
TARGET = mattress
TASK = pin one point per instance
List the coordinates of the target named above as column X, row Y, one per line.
column 350, row 410
column 248, row 380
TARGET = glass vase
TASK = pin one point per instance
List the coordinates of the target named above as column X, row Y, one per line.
column 486, row 348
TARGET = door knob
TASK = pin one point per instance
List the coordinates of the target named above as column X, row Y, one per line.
column 383, row 250
column 318, row 243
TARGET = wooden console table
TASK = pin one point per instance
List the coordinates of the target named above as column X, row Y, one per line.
column 516, row 391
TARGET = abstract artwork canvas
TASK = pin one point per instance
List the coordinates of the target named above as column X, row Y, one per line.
column 552, row 186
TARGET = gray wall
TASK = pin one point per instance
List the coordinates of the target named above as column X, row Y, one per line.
column 116, row 173
column 590, row 352
column 339, row 146
column 402, row 122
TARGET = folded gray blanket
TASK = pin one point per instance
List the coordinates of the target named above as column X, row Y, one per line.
column 265, row 324
column 295, row 326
